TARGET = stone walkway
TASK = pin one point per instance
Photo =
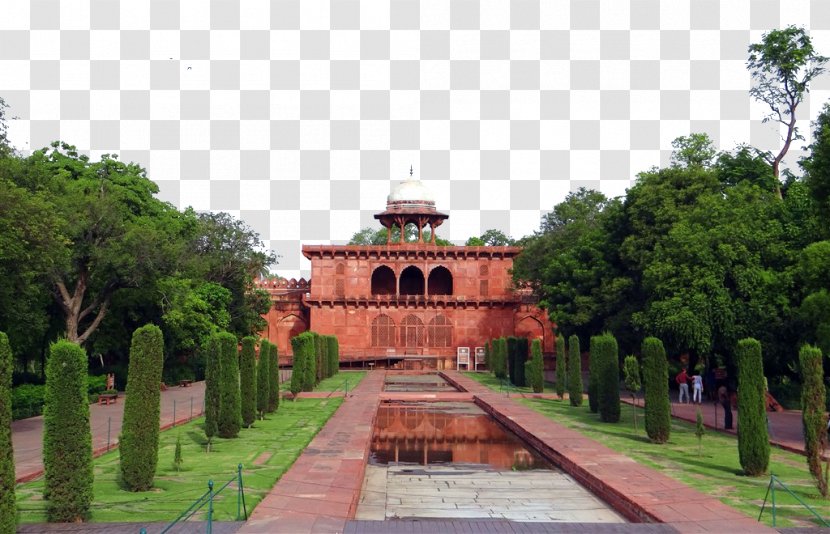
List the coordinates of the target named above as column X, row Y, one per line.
column 320, row 491
column 633, row 489
column 27, row 434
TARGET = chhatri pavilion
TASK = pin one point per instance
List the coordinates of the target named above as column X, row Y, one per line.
column 409, row 304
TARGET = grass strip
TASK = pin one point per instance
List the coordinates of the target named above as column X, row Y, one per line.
column 714, row 469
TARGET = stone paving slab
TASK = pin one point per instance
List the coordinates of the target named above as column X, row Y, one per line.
column 320, row 491
column 187, row 527
column 500, row 527
column 633, row 489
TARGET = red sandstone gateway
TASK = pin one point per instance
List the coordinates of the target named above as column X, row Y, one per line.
column 412, row 302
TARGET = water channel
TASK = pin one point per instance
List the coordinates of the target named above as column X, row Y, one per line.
column 451, row 460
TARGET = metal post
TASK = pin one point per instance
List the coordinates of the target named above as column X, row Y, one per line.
column 109, row 426
column 210, row 508
column 346, row 394
column 174, row 412
column 772, row 481
column 241, row 496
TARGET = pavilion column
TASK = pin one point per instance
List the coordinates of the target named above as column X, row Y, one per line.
column 389, row 234
column 432, row 231
column 401, row 224
column 420, row 230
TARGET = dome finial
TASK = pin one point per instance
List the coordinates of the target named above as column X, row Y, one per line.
column 410, row 170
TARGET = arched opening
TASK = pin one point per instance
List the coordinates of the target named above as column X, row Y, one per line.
column 440, row 281
column 340, row 269
column 412, row 332
column 383, row 281
column 288, row 327
column 531, row 328
column 412, row 281
column 383, row 331
column 439, row 332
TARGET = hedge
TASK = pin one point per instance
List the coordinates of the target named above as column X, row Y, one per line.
column 230, row 406
column 8, row 504
column 263, row 373
column 247, row 380
column 561, row 367
column 656, row 385
column 609, row 377
column 274, row 385
column 812, row 415
column 753, row 439
column 535, row 367
column 574, row 371
column 67, row 439
column 139, row 441
column 213, row 376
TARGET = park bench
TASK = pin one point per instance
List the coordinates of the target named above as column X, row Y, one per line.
column 107, row 398
column 185, row 383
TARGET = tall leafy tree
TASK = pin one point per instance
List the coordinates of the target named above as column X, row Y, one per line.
column 67, row 438
column 8, row 504
column 782, row 67
column 139, row 442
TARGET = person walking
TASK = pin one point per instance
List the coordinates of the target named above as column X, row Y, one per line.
column 723, row 397
column 682, row 380
column 697, row 388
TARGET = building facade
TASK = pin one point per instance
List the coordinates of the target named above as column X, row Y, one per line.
column 406, row 300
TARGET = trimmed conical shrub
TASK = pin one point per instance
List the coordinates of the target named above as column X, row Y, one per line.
column 139, row 442
column 8, row 506
column 213, row 375
column 574, row 371
column 334, row 357
column 303, row 348
column 656, row 385
column 487, row 358
column 247, row 380
column 230, row 405
column 535, row 368
column 262, row 378
column 593, row 377
column 753, row 439
column 274, row 381
column 813, row 418
column 274, row 385
column 561, row 367
column 67, row 440
column 500, row 357
column 608, row 375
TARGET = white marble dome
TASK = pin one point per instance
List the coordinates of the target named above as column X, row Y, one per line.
column 411, row 191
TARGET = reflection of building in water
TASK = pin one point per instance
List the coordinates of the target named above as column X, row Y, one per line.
column 416, row 300
column 420, row 435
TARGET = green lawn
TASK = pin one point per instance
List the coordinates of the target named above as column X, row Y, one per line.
column 266, row 451
column 716, row 471
column 338, row 381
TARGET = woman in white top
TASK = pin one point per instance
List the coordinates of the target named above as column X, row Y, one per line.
column 697, row 388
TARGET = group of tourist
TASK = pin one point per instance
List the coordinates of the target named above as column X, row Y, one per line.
column 683, row 379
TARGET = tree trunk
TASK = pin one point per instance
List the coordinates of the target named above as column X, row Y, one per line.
column 74, row 313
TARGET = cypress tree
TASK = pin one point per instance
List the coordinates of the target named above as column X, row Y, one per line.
column 503, row 356
column 247, row 380
column 310, row 361
column 67, row 440
column 299, row 347
column 274, row 382
column 487, row 362
column 574, row 371
column 593, row 377
column 561, row 367
column 263, row 390
column 813, row 418
column 656, row 385
column 213, row 374
column 522, row 352
column 8, row 506
column 536, row 367
column 631, row 372
column 139, row 442
column 325, row 364
column 230, row 406
column 334, row 358
column 512, row 359
column 753, row 440
column 608, row 374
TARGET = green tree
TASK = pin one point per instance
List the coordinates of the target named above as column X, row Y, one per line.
column 782, row 66
column 213, row 388
column 263, row 390
column 500, row 358
column 274, row 380
column 230, row 409
column 177, row 455
column 561, row 367
column 67, row 439
column 248, row 380
column 491, row 238
column 303, row 348
column 8, row 504
column 594, row 365
column 813, row 413
column 631, row 372
column 334, row 355
column 370, row 236
column 535, row 367
column 817, row 168
column 753, row 440
column 574, row 371
column 695, row 150
column 139, row 441
column 608, row 375
column 656, row 382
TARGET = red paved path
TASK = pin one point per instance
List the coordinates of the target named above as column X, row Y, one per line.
column 320, row 491
column 27, row 434
column 621, row 481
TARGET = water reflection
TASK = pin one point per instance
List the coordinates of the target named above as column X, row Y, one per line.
column 430, row 433
column 421, row 382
